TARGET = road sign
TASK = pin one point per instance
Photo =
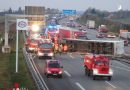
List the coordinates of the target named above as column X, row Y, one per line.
column 22, row 24
column 70, row 12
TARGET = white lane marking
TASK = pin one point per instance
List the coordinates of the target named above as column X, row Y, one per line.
column 110, row 84
column 80, row 86
column 68, row 74
column 80, row 55
column 121, row 68
column 71, row 55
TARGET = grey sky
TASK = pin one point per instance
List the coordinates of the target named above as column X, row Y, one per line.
column 110, row 5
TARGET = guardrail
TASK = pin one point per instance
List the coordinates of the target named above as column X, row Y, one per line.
column 68, row 28
column 34, row 71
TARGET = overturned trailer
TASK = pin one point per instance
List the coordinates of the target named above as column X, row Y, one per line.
column 106, row 47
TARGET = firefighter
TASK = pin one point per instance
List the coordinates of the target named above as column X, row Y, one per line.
column 60, row 48
column 65, row 48
column 55, row 48
column 55, row 39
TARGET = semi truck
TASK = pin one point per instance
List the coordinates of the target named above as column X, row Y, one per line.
column 90, row 24
column 66, row 32
column 97, row 66
column 105, row 47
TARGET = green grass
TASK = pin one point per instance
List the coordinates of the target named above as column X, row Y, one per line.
column 2, row 19
column 7, row 69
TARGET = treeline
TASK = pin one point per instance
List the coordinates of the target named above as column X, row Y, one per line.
column 106, row 18
column 11, row 11
column 20, row 11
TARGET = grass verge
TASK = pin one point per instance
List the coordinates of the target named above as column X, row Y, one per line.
column 7, row 69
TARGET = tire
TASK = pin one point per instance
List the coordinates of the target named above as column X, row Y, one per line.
column 47, row 75
column 89, row 73
column 39, row 57
column 109, row 78
column 60, row 76
column 94, row 77
column 85, row 72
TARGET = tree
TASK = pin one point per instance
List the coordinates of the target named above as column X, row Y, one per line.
column 20, row 11
column 10, row 11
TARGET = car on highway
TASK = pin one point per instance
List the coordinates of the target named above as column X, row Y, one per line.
column 111, row 36
column 53, row 68
column 100, row 35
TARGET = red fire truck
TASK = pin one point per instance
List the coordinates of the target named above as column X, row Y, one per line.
column 45, row 48
column 66, row 32
column 97, row 65
column 31, row 45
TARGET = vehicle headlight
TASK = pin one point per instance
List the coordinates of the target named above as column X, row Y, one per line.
column 48, row 71
column 50, row 54
column 39, row 53
column 60, row 72
column 95, row 71
column 111, row 71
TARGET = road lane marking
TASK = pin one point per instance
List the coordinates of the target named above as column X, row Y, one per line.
column 80, row 86
column 67, row 73
column 71, row 55
column 110, row 84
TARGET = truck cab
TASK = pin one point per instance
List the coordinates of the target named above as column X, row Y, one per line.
column 45, row 48
column 31, row 45
column 97, row 65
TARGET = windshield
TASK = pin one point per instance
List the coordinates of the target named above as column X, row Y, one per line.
column 101, row 63
column 46, row 45
column 33, row 41
column 54, row 65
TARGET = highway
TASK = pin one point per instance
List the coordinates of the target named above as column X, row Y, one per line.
column 91, row 34
column 74, row 77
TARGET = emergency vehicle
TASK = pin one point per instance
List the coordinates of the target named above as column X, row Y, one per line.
column 97, row 65
column 53, row 68
column 31, row 45
column 45, row 48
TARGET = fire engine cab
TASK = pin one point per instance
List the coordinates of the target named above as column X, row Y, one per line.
column 97, row 65
column 45, row 48
column 31, row 45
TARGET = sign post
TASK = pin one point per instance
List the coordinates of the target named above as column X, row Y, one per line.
column 22, row 24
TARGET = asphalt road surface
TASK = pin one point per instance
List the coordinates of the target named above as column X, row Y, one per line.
column 74, row 77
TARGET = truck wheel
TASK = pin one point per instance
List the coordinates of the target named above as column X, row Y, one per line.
column 39, row 57
column 109, row 78
column 94, row 77
column 89, row 73
column 60, row 76
column 47, row 75
column 85, row 72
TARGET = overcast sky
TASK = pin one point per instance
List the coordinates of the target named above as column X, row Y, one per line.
column 109, row 5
